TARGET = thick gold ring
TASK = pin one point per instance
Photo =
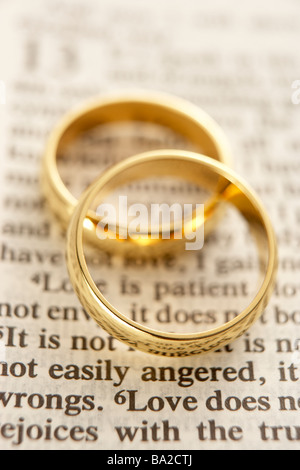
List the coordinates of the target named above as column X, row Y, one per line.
column 227, row 187
column 159, row 108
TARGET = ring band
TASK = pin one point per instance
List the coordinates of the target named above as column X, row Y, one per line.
column 227, row 187
column 159, row 108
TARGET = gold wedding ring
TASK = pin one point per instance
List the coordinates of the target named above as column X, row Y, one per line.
column 226, row 187
column 159, row 108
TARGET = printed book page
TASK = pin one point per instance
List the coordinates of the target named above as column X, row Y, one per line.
column 67, row 384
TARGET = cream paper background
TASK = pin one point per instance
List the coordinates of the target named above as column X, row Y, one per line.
column 236, row 60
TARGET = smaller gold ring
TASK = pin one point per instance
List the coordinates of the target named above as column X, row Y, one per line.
column 175, row 113
column 227, row 187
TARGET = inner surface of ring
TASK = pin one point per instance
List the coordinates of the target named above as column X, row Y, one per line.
column 179, row 121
